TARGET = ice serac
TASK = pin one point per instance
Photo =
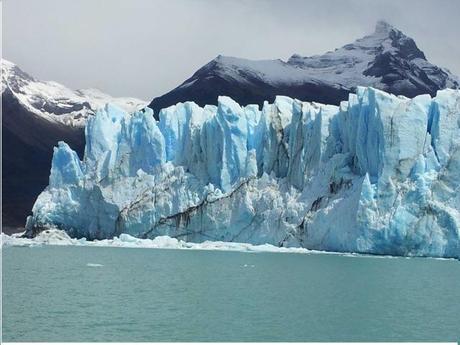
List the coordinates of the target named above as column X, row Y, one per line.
column 378, row 174
column 66, row 166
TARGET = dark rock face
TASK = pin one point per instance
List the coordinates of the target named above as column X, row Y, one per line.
column 27, row 148
column 386, row 59
column 206, row 90
column 406, row 71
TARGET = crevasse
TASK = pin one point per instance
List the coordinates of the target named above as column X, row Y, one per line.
column 378, row 174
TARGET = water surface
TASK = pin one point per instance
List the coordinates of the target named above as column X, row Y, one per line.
column 70, row 293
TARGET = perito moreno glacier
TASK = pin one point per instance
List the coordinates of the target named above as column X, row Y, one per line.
column 378, row 174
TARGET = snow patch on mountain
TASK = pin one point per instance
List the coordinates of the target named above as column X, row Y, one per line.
column 387, row 59
column 344, row 66
column 57, row 103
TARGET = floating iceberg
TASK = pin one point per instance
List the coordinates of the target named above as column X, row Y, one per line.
column 378, row 174
column 55, row 237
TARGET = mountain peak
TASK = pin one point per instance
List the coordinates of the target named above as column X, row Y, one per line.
column 386, row 59
column 388, row 39
column 7, row 64
column 55, row 102
column 383, row 27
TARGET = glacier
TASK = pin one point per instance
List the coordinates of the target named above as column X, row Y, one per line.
column 379, row 174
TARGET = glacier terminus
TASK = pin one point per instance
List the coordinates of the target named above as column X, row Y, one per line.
column 379, row 174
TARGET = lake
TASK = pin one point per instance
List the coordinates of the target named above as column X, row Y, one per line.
column 72, row 293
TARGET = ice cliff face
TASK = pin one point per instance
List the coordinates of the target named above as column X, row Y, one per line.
column 378, row 174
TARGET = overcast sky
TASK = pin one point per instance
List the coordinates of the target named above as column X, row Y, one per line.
column 144, row 48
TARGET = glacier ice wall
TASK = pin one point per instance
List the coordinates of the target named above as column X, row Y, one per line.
column 378, row 174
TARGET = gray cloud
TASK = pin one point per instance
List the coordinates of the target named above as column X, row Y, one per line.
column 144, row 48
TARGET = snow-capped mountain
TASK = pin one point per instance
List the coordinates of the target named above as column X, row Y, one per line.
column 57, row 103
column 35, row 116
column 377, row 174
column 387, row 59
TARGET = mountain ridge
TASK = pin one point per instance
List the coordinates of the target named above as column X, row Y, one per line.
column 387, row 59
column 35, row 116
column 56, row 102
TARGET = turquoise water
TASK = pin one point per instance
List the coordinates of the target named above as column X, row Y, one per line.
column 52, row 294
